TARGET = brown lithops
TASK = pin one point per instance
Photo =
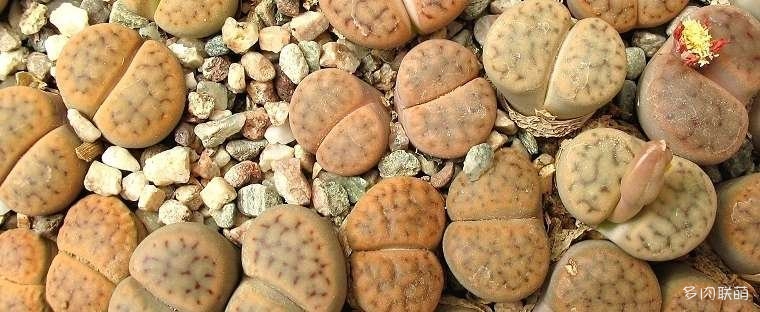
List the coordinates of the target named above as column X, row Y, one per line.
column 183, row 19
column 384, row 24
column 134, row 91
column 40, row 173
column 392, row 266
column 625, row 15
column 596, row 275
column 496, row 245
column 185, row 266
column 443, row 104
column 294, row 262
column 24, row 260
column 95, row 243
column 341, row 119
column 736, row 234
column 678, row 281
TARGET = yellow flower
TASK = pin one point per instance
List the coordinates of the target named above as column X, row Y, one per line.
column 697, row 39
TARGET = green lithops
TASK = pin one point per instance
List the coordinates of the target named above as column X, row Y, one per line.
column 184, row 19
column 653, row 205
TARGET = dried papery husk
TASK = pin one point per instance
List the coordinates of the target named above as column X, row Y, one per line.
column 89, row 151
column 543, row 124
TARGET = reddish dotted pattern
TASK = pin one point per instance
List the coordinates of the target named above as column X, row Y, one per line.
column 74, row 286
column 24, row 260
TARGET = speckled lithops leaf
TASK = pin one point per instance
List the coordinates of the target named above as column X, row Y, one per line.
column 653, row 13
column 389, row 214
column 431, row 15
column 621, row 14
column 130, row 296
column 48, row 177
column 596, row 275
column 396, row 280
column 74, row 286
column 102, row 232
column 255, row 296
column 291, row 249
column 203, row 18
column 333, row 115
column 26, row 298
column 675, row 280
column 24, row 260
column 442, row 104
column 187, row 266
column 736, row 234
column 377, row 24
column 134, row 91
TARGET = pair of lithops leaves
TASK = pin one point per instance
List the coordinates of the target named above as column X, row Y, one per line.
column 384, row 24
column 625, row 15
column 133, row 90
column 701, row 112
column 196, row 19
column 654, row 205
column 40, row 173
column 548, row 67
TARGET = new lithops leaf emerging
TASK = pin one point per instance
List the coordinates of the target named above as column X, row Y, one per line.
column 341, row 120
column 135, row 103
column 736, row 235
column 40, row 173
column 443, row 105
column 701, row 112
column 590, row 168
column 294, row 262
column 596, row 275
column 24, row 260
column 496, row 246
column 392, row 267
column 625, row 15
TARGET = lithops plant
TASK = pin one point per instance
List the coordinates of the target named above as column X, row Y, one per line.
column 496, row 245
column 135, row 103
column 684, row 289
column 198, row 19
column 736, row 234
column 443, row 104
column 596, row 275
column 24, row 260
column 385, row 24
column 294, row 262
column 341, row 119
column 95, row 242
column 654, row 205
column 625, row 15
column 185, row 266
column 392, row 265
column 40, row 173
column 553, row 74
column 698, row 104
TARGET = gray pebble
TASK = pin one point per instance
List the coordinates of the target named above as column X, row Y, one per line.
column 399, row 163
column 245, row 149
column 120, row 15
column 636, row 62
column 254, row 199
column 648, row 41
column 214, row 133
column 330, row 198
column 626, row 101
column 528, row 141
column 474, row 9
column 739, row 164
column 311, row 51
column 97, row 12
column 216, row 47
column 479, row 158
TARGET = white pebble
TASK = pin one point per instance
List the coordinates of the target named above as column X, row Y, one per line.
column 151, row 198
column 272, row 153
column 102, row 179
column 236, row 78
column 12, row 61
column 239, row 36
column 172, row 211
column 281, row 134
column 69, row 19
column 120, row 158
column 172, row 166
column 290, row 182
column 293, row 63
column 82, row 126
column 132, row 185
column 54, row 45
column 217, row 193
column 273, row 38
column 308, row 25
column 225, row 216
column 188, row 56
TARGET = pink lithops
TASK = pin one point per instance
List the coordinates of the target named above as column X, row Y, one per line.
column 202, row 18
column 294, row 262
column 184, row 266
column 95, row 242
column 496, row 245
column 736, row 235
column 700, row 111
column 621, row 186
column 341, row 119
column 39, row 172
column 392, row 265
column 24, row 260
column 134, row 91
column 443, row 104
column 549, row 68
column 384, row 24
column 625, row 15
column 596, row 275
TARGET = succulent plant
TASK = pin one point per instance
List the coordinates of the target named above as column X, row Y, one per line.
column 135, row 104
column 547, row 67
column 95, row 242
column 39, row 172
column 700, row 110
column 392, row 265
column 736, row 234
column 596, row 275
column 24, row 260
column 384, row 24
column 294, row 262
column 186, row 266
column 751, row 6
column 496, row 245
column 686, row 289
column 201, row 19
column 341, row 119
column 625, row 15
column 653, row 205
column 443, row 104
